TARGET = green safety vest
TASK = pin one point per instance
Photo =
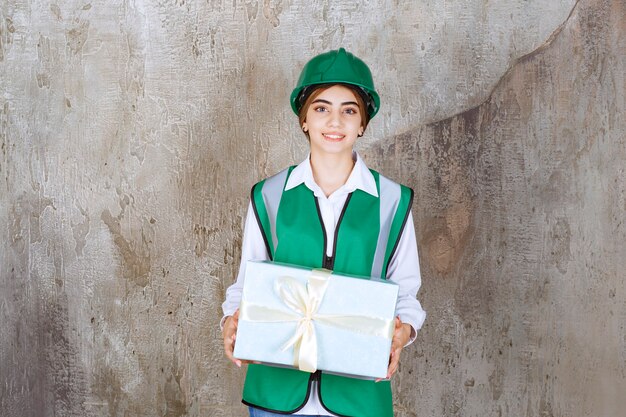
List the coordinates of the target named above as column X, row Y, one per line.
column 366, row 236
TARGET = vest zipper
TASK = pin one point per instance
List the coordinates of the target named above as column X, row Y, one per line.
column 316, row 377
column 328, row 262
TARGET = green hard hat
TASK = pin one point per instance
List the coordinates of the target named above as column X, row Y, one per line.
column 337, row 66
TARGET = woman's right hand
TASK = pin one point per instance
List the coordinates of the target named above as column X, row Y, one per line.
column 229, row 332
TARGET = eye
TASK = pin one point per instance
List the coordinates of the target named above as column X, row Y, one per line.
column 351, row 110
column 320, row 109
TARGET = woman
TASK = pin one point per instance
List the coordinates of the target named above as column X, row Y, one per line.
column 330, row 211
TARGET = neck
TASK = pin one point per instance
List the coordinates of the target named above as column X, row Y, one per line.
column 331, row 171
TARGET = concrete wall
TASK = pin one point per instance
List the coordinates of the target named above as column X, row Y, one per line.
column 130, row 133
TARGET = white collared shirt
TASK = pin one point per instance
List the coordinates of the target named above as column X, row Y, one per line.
column 403, row 268
column 330, row 207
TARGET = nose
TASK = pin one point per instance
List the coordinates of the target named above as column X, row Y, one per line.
column 334, row 119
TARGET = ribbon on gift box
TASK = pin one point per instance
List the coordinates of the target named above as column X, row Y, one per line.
column 303, row 303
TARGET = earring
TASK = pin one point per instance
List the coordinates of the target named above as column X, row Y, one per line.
column 360, row 134
column 304, row 129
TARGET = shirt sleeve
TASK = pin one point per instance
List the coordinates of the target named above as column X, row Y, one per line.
column 252, row 248
column 404, row 270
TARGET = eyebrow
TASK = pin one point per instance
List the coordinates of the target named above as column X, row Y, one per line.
column 345, row 103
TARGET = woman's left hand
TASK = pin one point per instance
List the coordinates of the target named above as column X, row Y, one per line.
column 401, row 336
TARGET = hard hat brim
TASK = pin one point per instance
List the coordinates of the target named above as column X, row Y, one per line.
column 296, row 101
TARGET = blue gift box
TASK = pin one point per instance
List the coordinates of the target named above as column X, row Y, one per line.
column 315, row 319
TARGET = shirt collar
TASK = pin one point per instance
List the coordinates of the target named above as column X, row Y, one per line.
column 360, row 178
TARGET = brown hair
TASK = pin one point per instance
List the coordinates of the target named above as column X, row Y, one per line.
column 365, row 118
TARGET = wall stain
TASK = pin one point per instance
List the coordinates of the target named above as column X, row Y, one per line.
column 31, row 208
column 272, row 13
column 45, row 60
column 496, row 383
column 80, row 231
column 202, row 235
column 2, row 30
column 65, row 375
column 252, row 9
column 438, row 249
column 175, row 405
column 452, row 155
column 446, row 238
column 7, row 29
column 136, row 257
column 107, row 386
column 559, row 244
column 77, row 36
column 5, row 147
column 56, row 11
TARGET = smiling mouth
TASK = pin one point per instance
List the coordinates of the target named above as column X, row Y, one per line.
column 333, row 137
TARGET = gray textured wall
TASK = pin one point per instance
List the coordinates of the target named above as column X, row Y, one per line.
column 130, row 133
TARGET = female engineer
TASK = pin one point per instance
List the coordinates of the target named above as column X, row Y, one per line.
column 330, row 211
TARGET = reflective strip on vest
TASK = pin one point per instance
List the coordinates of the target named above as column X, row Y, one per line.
column 272, row 193
column 389, row 194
